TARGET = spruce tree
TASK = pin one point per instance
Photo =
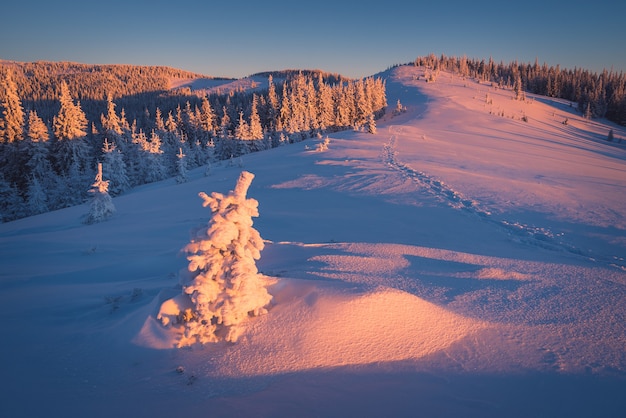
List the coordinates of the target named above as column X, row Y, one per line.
column 11, row 133
column 36, row 129
column 101, row 206
column 115, row 167
column 71, row 151
column 71, row 122
column 273, row 105
column 37, row 197
column 371, row 124
column 155, row 169
column 207, row 120
column 111, row 122
column 181, row 166
column 256, row 130
column 243, row 129
column 222, row 287
column 11, row 205
column 12, row 120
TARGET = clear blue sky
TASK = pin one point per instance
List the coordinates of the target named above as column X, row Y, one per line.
column 239, row 38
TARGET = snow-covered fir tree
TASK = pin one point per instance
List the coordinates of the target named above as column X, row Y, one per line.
column 115, row 167
column 37, row 198
column 111, row 124
column 11, row 133
column 518, row 88
column 71, row 152
column 243, row 129
column 11, row 205
column 63, row 164
column 12, row 117
column 181, row 166
column 371, row 124
column 71, row 122
column 255, row 128
column 152, row 166
column 36, row 129
column 101, row 205
column 222, row 285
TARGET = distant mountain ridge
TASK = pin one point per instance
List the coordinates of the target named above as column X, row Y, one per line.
column 40, row 80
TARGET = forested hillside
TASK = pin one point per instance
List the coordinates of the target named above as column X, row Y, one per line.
column 133, row 87
column 597, row 95
column 59, row 120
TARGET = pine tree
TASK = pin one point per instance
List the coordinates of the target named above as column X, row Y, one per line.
column 36, row 129
column 325, row 105
column 207, row 119
column 12, row 120
column 170, row 123
column 371, row 124
column 11, row 134
column 155, row 169
column 111, row 122
column 101, row 206
column 256, row 130
column 363, row 105
column 11, row 205
column 588, row 112
column 222, row 287
column 71, row 122
column 159, row 125
column 113, row 164
column 243, row 129
column 71, row 151
column 518, row 89
column 37, row 198
column 181, row 165
column 273, row 105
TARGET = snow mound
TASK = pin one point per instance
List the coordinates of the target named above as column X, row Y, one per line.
column 315, row 325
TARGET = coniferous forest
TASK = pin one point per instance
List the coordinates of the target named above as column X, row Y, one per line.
column 58, row 121
column 600, row 95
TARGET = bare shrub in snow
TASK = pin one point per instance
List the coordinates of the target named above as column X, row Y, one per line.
column 222, row 286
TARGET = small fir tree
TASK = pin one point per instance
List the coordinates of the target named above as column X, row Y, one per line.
column 37, row 198
column 181, row 166
column 518, row 88
column 101, row 206
column 221, row 286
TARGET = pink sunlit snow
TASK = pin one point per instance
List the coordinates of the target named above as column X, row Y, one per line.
column 467, row 259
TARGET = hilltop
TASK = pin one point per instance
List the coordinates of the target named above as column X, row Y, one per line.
column 467, row 259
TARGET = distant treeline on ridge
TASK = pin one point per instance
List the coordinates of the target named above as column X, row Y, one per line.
column 600, row 95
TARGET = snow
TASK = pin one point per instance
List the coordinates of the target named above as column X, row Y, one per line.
column 207, row 86
column 456, row 263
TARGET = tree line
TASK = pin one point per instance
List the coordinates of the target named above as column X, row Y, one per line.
column 597, row 95
column 48, row 162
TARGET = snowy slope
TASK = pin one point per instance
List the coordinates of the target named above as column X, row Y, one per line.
column 457, row 263
column 208, row 86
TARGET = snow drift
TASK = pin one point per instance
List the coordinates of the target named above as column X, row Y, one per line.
column 457, row 262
